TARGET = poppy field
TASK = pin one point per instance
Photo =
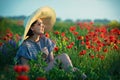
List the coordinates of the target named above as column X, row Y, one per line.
column 93, row 49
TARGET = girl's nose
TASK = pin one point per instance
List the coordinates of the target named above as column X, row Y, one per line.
column 43, row 25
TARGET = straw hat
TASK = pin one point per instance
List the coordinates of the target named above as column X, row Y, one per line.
column 47, row 15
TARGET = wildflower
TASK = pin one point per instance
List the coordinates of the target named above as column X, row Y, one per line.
column 22, row 77
column 87, row 43
column 112, row 38
column 105, row 50
column 103, row 29
column 92, row 47
column 18, row 68
column 82, row 42
column 102, row 57
column 25, row 68
column 92, row 56
column 115, row 31
column 56, row 49
column 57, row 32
column 115, row 46
column 47, row 35
column 88, row 46
column 5, row 38
column 80, row 37
column 75, row 33
column 82, row 52
column 69, row 46
column 9, row 35
column 98, row 42
column 72, row 28
column 63, row 34
column 72, row 43
column 95, row 39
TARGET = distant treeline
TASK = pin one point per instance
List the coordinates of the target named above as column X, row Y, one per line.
column 103, row 21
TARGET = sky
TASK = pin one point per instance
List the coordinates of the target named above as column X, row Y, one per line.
column 65, row 9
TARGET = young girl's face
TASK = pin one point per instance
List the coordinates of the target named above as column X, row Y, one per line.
column 38, row 27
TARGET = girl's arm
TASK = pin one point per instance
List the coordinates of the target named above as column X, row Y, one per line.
column 51, row 57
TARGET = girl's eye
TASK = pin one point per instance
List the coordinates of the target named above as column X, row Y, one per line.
column 39, row 24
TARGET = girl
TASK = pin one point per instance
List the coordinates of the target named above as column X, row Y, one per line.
column 34, row 40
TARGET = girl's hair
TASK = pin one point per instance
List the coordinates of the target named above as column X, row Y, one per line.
column 30, row 32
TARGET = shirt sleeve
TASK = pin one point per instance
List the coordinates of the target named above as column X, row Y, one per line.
column 50, row 45
column 22, row 52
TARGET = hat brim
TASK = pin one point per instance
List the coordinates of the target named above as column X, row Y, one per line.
column 47, row 15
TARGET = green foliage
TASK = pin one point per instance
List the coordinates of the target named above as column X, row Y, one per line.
column 37, row 70
column 95, row 69
column 12, row 25
column 114, row 24
column 62, row 26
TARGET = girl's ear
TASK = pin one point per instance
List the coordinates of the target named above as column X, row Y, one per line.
column 32, row 28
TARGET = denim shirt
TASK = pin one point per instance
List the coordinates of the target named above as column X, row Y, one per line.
column 30, row 49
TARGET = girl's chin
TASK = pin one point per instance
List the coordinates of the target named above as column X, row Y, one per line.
column 42, row 33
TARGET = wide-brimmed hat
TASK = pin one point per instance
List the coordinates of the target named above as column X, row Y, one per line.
column 47, row 15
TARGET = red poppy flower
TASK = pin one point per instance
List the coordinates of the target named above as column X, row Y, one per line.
column 98, row 48
column 105, row 50
column 21, row 68
column 57, row 32
column 18, row 68
column 112, row 38
column 69, row 46
column 92, row 56
column 25, row 68
column 87, row 43
column 5, row 38
column 82, row 52
column 75, row 33
column 72, row 28
column 82, row 42
column 115, row 47
column 95, row 39
column 72, row 43
column 22, row 77
column 80, row 37
column 9, row 35
column 56, row 49
column 102, row 57
column 63, row 34
column 47, row 35
column 115, row 31
column 102, row 35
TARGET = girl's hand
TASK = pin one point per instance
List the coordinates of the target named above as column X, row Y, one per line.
column 45, row 52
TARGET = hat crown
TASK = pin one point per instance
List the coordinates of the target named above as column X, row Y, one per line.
column 26, row 20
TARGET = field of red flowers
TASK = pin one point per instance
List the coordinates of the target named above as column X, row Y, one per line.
column 93, row 49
